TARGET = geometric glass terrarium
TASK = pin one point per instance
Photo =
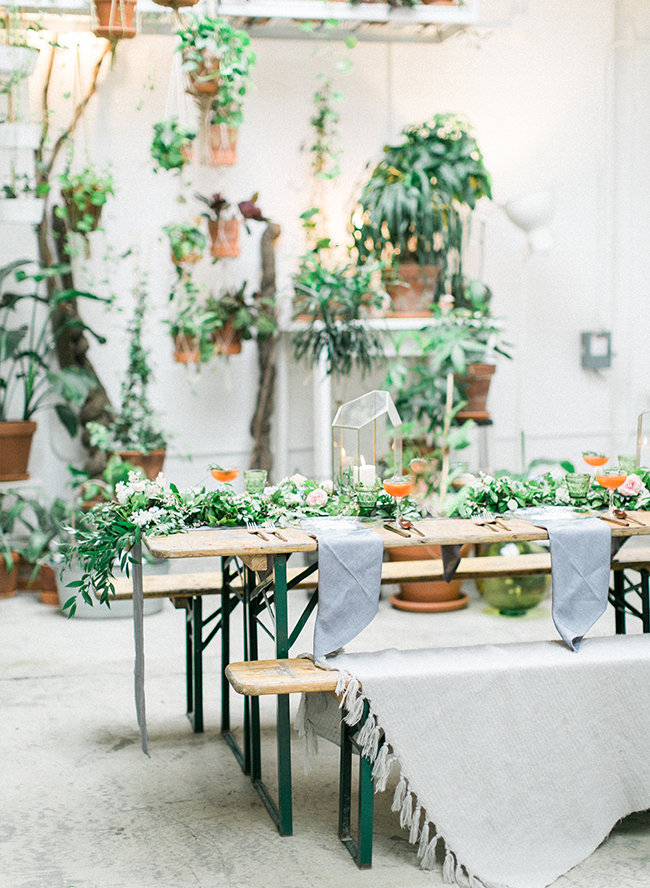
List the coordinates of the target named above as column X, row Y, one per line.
column 366, row 433
column 643, row 439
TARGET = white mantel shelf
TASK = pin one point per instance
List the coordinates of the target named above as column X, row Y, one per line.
column 285, row 19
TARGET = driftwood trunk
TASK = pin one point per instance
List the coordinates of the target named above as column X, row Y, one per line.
column 260, row 428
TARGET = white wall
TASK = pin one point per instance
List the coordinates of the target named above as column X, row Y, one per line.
column 557, row 93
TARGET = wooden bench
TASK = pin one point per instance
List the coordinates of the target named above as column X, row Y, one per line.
column 187, row 590
column 294, row 676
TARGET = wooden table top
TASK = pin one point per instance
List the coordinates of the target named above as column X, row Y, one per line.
column 438, row 532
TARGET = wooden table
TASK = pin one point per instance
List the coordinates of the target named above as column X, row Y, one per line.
column 265, row 586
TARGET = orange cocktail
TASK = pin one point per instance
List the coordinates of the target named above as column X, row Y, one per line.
column 398, row 486
column 595, row 459
column 225, row 474
column 611, row 479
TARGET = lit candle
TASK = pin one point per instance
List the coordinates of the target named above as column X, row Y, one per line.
column 367, row 476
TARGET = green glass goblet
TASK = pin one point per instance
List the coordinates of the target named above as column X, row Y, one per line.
column 366, row 499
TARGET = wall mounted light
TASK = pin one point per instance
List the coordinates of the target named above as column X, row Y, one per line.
column 532, row 213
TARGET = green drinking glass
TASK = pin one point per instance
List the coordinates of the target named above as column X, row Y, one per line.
column 578, row 486
column 255, row 480
column 627, row 463
column 366, row 499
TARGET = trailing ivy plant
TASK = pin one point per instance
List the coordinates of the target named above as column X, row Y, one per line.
column 214, row 51
column 84, row 195
column 185, row 239
column 172, row 143
column 135, row 426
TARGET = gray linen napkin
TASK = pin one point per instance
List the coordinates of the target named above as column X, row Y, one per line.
column 349, row 582
column 450, row 561
column 580, row 566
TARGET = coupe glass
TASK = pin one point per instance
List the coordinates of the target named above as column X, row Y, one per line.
column 399, row 486
column 225, row 474
column 611, row 479
column 594, row 459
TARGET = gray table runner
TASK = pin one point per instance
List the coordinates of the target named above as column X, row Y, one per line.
column 581, row 553
column 349, row 582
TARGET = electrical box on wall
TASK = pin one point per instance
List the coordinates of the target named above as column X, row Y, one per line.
column 596, row 350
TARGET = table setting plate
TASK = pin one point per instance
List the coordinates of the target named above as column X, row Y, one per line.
column 550, row 513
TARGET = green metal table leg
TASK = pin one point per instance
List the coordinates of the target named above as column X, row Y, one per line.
column 619, row 595
column 195, row 713
column 645, row 600
column 361, row 848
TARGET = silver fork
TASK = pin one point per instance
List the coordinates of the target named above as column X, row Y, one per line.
column 491, row 519
column 253, row 528
column 270, row 526
column 481, row 522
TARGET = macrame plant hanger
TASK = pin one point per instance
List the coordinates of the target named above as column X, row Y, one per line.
column 177, row 106
column 73, row 164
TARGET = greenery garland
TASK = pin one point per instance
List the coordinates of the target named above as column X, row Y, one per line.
column 160, row 508
column 506, row 493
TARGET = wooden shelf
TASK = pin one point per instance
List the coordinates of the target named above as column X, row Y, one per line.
column 290, row 19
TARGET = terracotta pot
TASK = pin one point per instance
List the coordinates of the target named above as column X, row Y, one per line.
column 427, row 597
column 43, row 581
column 175, row 4
column 198, row 87
column 227, row 340
column 15, row 445
column 413, row 298
column 151, row 462
column 187, row 351
column 191, row 258
column 8, row 579
column 115, row 19
column 76, row 215
column 225, row 237
column 222, row 145
column 475, row 387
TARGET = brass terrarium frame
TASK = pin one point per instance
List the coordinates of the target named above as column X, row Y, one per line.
column 355, row 417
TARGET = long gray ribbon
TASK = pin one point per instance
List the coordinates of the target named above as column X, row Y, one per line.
column 138, row 631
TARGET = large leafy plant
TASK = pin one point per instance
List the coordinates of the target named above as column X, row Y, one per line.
column 416, row 204
column 336, row 299
column 29, row 379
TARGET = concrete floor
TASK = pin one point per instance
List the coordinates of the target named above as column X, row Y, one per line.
column 82, row 807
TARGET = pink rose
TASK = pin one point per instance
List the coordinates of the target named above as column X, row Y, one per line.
column 317, row 497
column 632, row 486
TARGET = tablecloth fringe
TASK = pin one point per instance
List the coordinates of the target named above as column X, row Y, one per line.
column 404, row 799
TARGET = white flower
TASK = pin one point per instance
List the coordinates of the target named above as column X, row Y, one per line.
column 122, row 492
column 328, row 486
column 562, row 497
column 298, row 479
column 137, row 483
column 145, row 516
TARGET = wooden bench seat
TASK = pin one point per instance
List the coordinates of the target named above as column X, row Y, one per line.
column 256, row 678
column 484, row 567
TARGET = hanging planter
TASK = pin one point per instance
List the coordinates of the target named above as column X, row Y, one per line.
column 186, row 351
column 151, row 463
column 175, row 4
column 114, row 19
column 187, row 243
column 227, row 340
column 222, row 145
column 225, row 238
column 84, row 195
column 216, row 57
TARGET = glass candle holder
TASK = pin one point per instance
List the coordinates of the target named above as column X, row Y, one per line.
column 366, row 498
column 255, row 480
column 578, row 486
